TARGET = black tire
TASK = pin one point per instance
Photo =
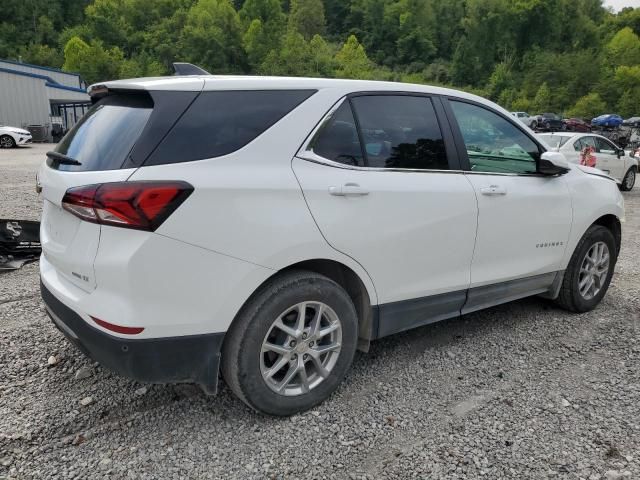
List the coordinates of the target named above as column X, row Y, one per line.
column 629, row 180
column 570, row 297
column 534, row 125
column 7, row 141
column 547, row 126
column 241, row 352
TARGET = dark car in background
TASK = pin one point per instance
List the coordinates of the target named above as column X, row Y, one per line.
column 550, row 121
column 577, row 125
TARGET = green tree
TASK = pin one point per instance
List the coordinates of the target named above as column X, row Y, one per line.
column 542, row 101
column 293, row 58
column 624, row 48
column 264, row 24
column 323, row 63
column 588, row 106
column 92, row 60
column 352, row 60
column 501, row 79
column 521, row 104
column 141, row 66
column 45, row 55
column 255, row 43
column 626, row 78
column 629, row 101
column 212, row 37
column 307, row 17
column 269, row 12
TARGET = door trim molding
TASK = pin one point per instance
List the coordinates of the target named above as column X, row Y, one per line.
column 479, row 298
column 395, row 317
column 407, row 314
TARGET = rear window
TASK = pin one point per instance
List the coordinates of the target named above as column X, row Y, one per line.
column 105, row 135
column 554, row 141
column 221, row 122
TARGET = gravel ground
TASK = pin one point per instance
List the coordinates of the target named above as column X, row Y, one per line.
column 523, row 390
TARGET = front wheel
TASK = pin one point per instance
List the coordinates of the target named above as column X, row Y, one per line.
column 629, row 180
column 292, row 344
column 589, row 273
column 534, row 125
column 6, row 141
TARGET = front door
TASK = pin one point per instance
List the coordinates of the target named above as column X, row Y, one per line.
column 381, row 191
column 607, row 158
column 524, row 218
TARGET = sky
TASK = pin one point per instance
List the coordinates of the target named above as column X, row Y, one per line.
column 620, row 4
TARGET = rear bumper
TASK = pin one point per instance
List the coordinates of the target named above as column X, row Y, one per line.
column 187, row 359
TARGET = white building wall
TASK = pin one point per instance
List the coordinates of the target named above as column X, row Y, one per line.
column 23, row 100
column 67, row 79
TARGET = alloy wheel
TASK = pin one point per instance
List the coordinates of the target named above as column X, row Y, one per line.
column 630, row 180
column 594, row 270
column 301, row 348
column 6, row 142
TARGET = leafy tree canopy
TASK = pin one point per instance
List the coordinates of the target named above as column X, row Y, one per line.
column 568, row 56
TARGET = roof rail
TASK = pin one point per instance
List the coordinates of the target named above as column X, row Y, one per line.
column 181, row 68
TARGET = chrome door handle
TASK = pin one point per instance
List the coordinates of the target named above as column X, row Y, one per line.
column 348, row 190
column 493, row 190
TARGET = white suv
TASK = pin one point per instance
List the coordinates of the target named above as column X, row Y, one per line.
column 274, row 225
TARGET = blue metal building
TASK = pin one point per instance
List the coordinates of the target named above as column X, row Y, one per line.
column 44, row 97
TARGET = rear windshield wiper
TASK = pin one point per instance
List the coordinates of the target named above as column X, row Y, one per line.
column 63, row 159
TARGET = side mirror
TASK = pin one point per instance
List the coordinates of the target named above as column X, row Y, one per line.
column 621, row 153
column 553, row 163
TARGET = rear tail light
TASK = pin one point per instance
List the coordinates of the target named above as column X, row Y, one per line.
column 139, row 205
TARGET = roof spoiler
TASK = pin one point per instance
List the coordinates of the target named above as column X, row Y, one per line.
column 181, row 68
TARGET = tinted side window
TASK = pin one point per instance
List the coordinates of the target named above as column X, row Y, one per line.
column 221, row 122
column 337, row 140
column 494, row 144
column 400, row 131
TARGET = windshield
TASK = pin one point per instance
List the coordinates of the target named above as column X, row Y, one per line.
column 105, row 135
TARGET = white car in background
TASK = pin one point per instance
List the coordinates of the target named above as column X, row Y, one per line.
column 524, row 117
column 12, row 136
column 610, row 158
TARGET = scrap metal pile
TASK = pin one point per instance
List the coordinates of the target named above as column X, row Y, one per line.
column 19, row 243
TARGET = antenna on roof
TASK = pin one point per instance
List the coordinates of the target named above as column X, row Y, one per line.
column 181, row 68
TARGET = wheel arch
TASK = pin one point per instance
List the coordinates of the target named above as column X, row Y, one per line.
column 355, row 287
column 348, row 279
column 11, row 136
column 612, row 223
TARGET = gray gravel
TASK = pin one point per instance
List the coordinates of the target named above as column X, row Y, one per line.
column 523, row 390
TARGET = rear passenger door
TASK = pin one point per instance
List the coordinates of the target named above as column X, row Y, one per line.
column 382, row 181
column 524, row 218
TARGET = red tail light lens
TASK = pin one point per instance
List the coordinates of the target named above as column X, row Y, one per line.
column 118, row 328
column 139, row 205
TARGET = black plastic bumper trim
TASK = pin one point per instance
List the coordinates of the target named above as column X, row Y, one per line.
column 187, row 359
